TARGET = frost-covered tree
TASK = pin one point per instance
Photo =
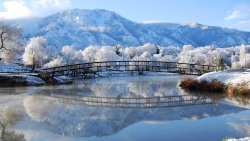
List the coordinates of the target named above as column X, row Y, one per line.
column 71, row 56
column 130, row 52
column 245, row 56
column 10, row 41
column 106, row 53
column 206, row 55
column 235, row 64
column 89, row 53
column 54, row 63
column 101, row 53
column 35, row 53
column 146, row 56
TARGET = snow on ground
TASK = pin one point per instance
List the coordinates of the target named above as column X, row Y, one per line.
column 33, row 80
column 63, row 79
column 228, row 77
column 12, row 68
column 241, row 139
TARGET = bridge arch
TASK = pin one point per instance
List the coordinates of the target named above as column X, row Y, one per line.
column 85, row 69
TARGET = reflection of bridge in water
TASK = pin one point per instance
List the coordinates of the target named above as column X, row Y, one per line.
column 135, row 102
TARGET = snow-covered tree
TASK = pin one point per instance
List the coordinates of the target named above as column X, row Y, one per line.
column 10, row 41
column 35, row 53
column 235, row 64
column 54, row 63
column 245, row 56
column 242, row 56
column 71, row 56
column 89, row 53
column 106, row 53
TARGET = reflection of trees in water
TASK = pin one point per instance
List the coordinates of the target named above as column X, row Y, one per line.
column 84, row 121
column 132, row 87
column 9, row 117
column 242, row 99
column 153, row 88
column 135, row 88
column 114, row 87
column 215, row 97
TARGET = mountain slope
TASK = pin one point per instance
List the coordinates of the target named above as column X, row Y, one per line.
column 82, row 28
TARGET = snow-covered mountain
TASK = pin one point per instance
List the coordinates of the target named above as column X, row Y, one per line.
column 82, row 28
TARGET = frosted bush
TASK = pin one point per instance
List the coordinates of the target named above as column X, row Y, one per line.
column 236, row 65
column 107, row 53
column 130, row 52
column 170, row 51
column 71, row 56
column 54, row 63
column 89, row 53
column 207, row 55
column 102, row 53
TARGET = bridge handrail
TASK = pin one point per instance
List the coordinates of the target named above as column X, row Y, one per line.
column 177, row 63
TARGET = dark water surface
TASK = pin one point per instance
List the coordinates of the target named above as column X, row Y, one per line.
column 43, row 116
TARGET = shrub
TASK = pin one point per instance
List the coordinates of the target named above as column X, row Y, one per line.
column 213, row 86
column 240, row 89
column 189, row 84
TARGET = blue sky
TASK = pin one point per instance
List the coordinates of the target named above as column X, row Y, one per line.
column 226, row 13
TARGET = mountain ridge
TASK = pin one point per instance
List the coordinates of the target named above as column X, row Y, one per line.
column 82, row 28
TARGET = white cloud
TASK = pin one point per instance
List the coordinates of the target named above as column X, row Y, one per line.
column 233, row 15
column 240, row 12
column 239, row 18
column 16, row 9
column 58, row 4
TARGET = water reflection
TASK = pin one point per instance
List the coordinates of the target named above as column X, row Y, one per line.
column 41, row 112
column 85, row 121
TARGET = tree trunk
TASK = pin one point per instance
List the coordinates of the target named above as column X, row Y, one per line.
column 33, row 68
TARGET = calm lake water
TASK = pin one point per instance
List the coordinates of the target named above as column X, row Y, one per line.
column 45, row 117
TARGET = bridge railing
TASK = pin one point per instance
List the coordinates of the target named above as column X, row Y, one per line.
column 93, row 67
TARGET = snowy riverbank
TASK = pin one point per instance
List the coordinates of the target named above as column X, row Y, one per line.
column 15, row 75
column 22, row 79
column 234, row 77
column 241, row 139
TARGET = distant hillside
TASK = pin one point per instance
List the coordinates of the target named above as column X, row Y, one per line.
column 82, row 28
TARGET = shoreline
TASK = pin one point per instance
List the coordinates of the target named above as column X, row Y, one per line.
column 234, row 82
column 30, row 79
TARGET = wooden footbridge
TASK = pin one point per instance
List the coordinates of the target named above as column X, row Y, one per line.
column 130, row 102
column 85, row 69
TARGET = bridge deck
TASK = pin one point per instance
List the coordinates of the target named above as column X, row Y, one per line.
column 138, row 66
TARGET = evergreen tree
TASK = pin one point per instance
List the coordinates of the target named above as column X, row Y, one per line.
column 220, row 64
